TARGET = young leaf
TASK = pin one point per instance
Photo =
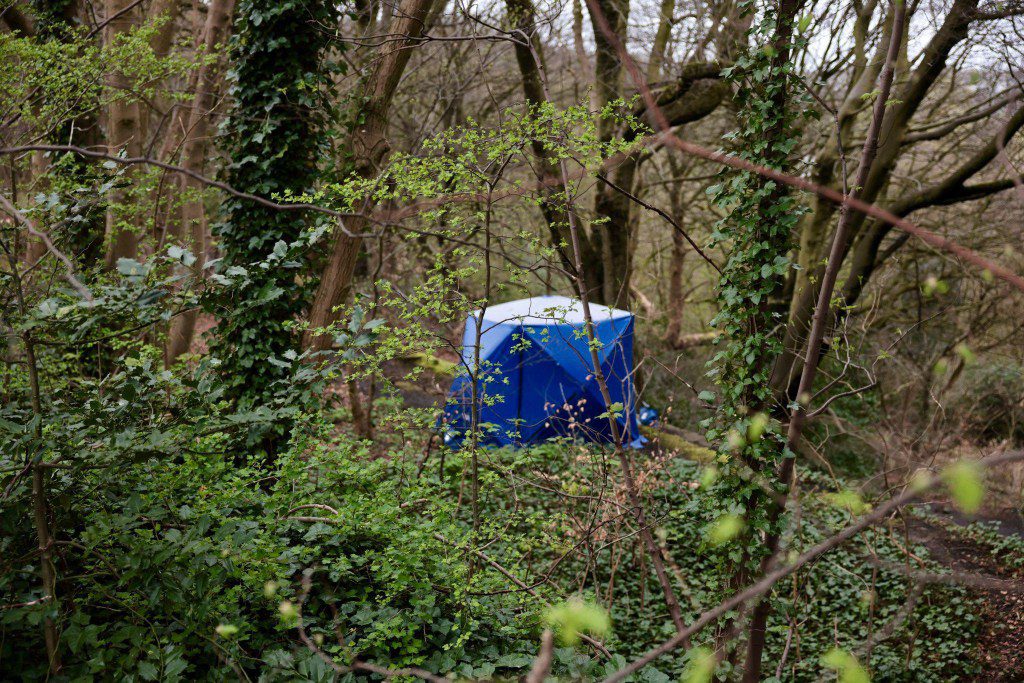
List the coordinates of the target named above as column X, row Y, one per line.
column 965, row 485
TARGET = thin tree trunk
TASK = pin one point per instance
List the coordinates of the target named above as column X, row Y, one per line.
column 368, row 149
column 661, row 36
column 530, row 58
column 36, row 248
column 759, row 617
column 40, row 510
column 193, row 212
column 123, row 133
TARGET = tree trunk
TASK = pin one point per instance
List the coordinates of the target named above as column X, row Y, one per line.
column 193, row 212
column 954, row 29
column 123, row 133
column 368, row 149
column 530, row 58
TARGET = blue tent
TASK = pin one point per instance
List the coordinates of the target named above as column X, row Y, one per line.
column 536, row 379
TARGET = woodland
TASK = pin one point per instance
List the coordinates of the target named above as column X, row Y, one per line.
column 244, row 245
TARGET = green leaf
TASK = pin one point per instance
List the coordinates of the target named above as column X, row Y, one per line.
column 964, row 480
column 701, row 667
column 570, row 618
column 725, row 528
column 847, row 500
column 227, row 630
column 846, row 665
column 148, row 671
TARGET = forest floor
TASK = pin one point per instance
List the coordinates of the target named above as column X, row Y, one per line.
column 1001, row 637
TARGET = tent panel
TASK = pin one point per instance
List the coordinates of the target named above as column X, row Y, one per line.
column 546, row 387
column 499, row 398
column 551, row 389
column 492, row 340
column 549, row 310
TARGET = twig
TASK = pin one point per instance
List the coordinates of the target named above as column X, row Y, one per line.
column 542, row 665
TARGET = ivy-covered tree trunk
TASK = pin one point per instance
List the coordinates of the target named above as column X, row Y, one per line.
column 275, row 137
column 757, row 232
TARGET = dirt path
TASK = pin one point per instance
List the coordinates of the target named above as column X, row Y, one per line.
column 1001, row 640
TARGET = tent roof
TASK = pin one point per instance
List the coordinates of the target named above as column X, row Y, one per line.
column 549, row 310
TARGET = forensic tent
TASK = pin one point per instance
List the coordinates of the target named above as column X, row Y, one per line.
column 535, row 379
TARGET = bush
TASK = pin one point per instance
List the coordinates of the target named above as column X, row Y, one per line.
column 193, row 568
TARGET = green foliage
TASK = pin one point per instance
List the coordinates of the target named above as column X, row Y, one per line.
column 60, row 76
column 275, row 137
column 190, row 567
column 570, row 619
column 181, row 557
column 702, row 665
column 964, row 480
column 178, row 563
column 846, row 665
column 539, row 529
column 756, row 232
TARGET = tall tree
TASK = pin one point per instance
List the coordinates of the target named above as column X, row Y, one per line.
column 275, row 137
column 365, row 150
column 896, row 138
column 606, row 249
column 124, row 129
column 194, row 153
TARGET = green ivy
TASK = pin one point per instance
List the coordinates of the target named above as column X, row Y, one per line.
column 756, row 233
column 275, row 137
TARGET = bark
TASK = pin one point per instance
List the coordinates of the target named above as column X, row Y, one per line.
column 680, row 249
column 530, row 59
column 607, row 265
column 815, row 226
column 40, row 513
column 696, row 93
column 822, row 315
column 582, row 58
column 16, row 20
column 163, row 39
column 864, row 257
column 194, row 153
column 606, row 254
column 36, row 248
column 894, row 127
column 367, row 148
column 661, row 36
column 123, row 133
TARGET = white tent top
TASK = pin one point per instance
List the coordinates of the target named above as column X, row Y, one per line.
column 549, row 310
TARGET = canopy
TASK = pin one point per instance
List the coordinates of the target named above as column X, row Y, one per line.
column 536, row 378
